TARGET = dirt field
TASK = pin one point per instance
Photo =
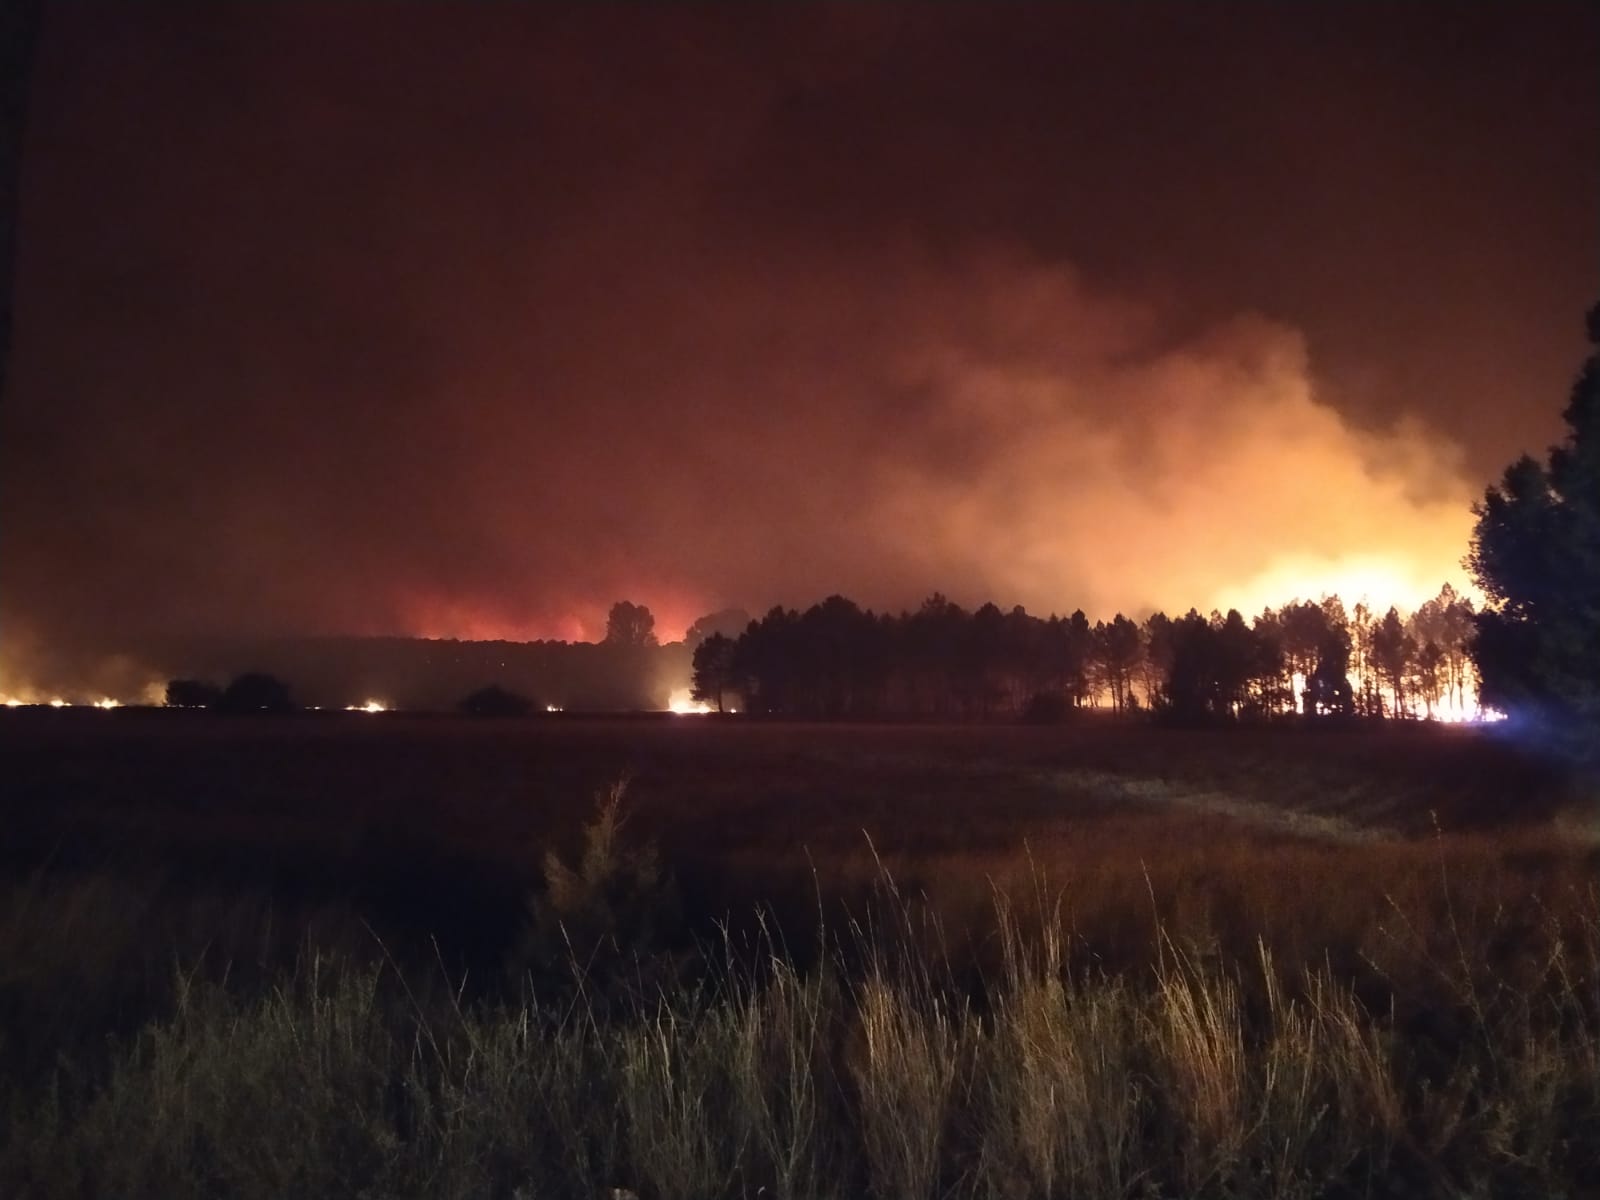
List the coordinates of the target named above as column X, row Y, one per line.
column 749, row 783
column 443, row 822
column 1406, row 916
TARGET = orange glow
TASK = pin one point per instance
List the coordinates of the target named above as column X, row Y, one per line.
column 1374, row 580
column 371, row 706
column 476, row 621
column 1447, row 709
column 683, row 703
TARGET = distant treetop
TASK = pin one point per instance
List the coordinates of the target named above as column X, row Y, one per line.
column 630, row 624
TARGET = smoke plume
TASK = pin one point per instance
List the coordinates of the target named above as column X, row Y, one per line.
column 472, row 327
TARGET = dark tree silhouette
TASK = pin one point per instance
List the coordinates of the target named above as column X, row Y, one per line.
column 714, row 666
column 630, row 624
column 1217, row 666
column 1026, row 671
column 1393, row 651
column 1157, row 665
column 764, row 661
column 836, row 660
column 729, row 622
column 192, row 693
column 978, row 682
column 1236, row 664
column 1368, row 700
column 1429, row 665
column 495, row 701
column 930, row 637
column 1268, row 689
column 1072, row 652
column 1536, row 555
column 1328, row 692
column 1118, row 650
column 1447, row 621
column 255, row 692
column 1305, row 628
column 1190, row 692
column 1047, row 708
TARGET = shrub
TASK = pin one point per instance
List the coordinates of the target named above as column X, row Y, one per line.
column 613, row 919
column 496, row 701
column 255, row 692
column 192, row 693
column 1047, row 708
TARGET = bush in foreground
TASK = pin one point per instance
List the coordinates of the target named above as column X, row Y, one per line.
column 609, row 922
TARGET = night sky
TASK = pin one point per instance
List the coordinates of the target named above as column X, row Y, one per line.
column 470, row 321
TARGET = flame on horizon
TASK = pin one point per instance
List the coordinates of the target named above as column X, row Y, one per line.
column 683, row 703
column 1374, row 580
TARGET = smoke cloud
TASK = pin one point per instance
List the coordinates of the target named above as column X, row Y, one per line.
column 698, row 314
column 987, row 427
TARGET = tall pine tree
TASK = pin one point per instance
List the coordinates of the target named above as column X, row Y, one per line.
column 1536, row 555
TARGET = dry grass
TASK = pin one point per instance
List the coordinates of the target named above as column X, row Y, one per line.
column 1027, row 983
column 346, row 1080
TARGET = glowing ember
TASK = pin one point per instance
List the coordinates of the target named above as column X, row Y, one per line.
column 684, row 703
column 552, row 708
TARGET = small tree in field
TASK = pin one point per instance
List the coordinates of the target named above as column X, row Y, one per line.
column 713, row 669
column 609, row 920
column 496, row 701
column 630, row 624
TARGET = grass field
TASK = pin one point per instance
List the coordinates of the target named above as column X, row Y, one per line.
column 1097, row 959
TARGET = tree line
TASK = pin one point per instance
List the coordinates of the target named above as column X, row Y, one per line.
column 1535, row 648
column 836, row 659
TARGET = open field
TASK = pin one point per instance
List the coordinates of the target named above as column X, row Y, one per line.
column 443, row 822
column 1098, row 959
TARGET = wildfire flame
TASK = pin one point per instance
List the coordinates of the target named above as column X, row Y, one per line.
column 683, row 703
column 371, row 706
column 1450, row 708
column 1376, row 580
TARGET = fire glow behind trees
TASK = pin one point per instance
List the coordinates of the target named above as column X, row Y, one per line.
column 466, row 323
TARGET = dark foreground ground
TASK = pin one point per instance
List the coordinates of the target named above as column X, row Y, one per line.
column 340, row 954
column 441, row 823
column 434, row 829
